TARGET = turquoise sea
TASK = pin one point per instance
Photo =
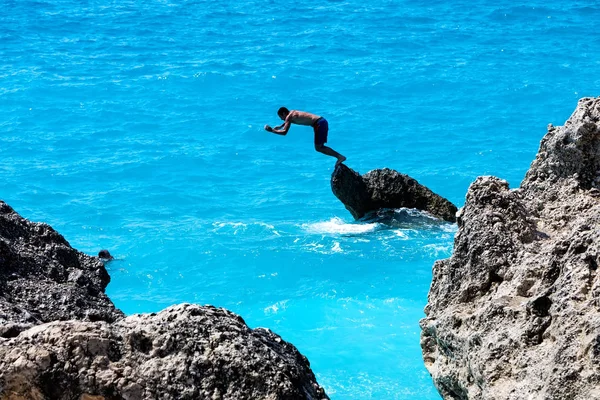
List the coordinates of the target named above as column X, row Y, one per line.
column 137, row 126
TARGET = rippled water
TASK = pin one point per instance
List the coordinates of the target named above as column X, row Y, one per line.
column 137, row 127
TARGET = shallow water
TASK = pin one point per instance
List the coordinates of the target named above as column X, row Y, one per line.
column 137, row 127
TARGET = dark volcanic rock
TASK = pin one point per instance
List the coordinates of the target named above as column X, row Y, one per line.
column 42, row 278
column 386, row 188
column 92, row 352
column 515, row 312
column 352, row 190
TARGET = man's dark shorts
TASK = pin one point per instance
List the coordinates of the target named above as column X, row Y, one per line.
column 321, row 129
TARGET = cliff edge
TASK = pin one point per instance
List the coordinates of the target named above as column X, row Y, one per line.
column 514, row 313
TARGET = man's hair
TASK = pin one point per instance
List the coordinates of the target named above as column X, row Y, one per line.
column 104, row 254
column 283, row 110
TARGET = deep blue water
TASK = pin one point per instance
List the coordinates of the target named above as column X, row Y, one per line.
column 137, row 127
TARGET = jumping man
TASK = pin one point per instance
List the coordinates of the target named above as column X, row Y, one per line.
column 318, row 123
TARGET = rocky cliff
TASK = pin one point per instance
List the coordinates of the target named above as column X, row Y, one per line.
column 515, row 312
column 62, row 338
column 386, row 188
column 43, row 279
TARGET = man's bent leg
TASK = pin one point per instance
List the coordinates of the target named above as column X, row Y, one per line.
column 330, row 152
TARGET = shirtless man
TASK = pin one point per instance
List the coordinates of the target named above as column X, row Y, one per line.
column 318, row 123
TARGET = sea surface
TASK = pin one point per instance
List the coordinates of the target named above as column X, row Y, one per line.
column 137, row 126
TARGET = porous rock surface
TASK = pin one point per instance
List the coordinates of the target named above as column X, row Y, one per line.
column 514, row 313
column 91, row 351
column 43, row 279
column 183, row 352
column 386, row 188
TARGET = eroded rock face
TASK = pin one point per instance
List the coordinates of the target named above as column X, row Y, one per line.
column 183, row 352
column 92, row 351
column 42, row 278
column 386, row 188
column 515, row 312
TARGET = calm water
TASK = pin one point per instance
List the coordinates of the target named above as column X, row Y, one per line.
column 137, row 126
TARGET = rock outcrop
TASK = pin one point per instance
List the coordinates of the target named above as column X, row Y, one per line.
column 386, row 188
column 92, row 351
column 515, row 312
column 183, row 352
column 43, row 279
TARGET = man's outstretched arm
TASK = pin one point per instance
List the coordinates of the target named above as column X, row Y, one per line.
column 276, row 130
column 284, row 130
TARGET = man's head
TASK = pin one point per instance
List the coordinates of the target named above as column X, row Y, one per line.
column 105, row 255
column 283, row 113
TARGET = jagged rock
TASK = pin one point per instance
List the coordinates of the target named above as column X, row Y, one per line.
column 92, row 351
column 386, row 188
column 42, row 278
column 348, row 186
column 515, row 312
column 183, row 352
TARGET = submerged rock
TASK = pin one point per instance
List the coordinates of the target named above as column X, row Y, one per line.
column 92, row 351
column 515, row 312
column 386, row 188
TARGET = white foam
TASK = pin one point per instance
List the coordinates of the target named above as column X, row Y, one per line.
column 336, row 248
column 264, row 224
column 401, row 234
column 235, row 225
column 240, row 227
column 338, row 226
column 438, row 250
column 273, row 309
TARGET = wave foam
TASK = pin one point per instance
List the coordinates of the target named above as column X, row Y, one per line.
column 240, row 227
column 338, row 226
column 274, row 308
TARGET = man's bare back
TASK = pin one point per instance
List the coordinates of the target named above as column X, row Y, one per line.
column 302, row 118
column 319, row 124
